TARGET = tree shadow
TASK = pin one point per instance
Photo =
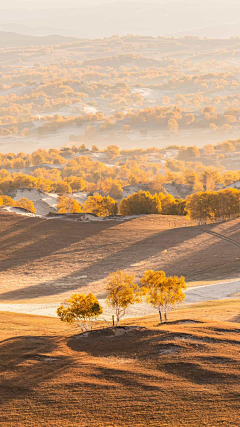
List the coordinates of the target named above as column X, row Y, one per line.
column 162, row 250
column 125, row 341
column 25, row 363
column 142, row 250
column 35, row 238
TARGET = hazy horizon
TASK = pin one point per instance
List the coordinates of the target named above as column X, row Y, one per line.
column 103, row 18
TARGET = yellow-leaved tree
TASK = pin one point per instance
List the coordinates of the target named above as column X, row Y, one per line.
column 100, row 206
column 140, row 203
column 26, row 204
column 68, row 205
column 162, row 292
column 82, row 309
column 21, row 203
column 121, row 292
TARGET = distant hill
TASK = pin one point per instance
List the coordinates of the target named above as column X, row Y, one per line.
column 42, row 31
column 223, row 31
column 9, row 39
column 105, row 18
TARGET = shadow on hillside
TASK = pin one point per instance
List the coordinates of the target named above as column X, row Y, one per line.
column 200, row 374
column 25, row 363
column 132, row 342
column 236, row 318
column 162, row 250
column 141, row 343
column 34, row 238
column 121, row 259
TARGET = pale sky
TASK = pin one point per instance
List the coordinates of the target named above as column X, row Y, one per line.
column 103, row 18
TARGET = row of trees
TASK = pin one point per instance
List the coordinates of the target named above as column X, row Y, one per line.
column 141, row 203
column 213, row 206
column 158, row 290
column 202, row 207
column 130, row 167
column 97, row 204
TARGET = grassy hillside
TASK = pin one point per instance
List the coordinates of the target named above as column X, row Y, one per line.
column 182, row 374
column 44, row 260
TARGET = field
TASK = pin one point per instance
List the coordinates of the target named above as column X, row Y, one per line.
column 182, row 374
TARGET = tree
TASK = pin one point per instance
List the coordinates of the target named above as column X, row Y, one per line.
column 121, row 292
column 112, row 151
column 76, row 183
column 173, row 125
column 68, row 205
column 38, row 158
column 162, row 292
column 25, row 132
column 21, row 203
column 141, row 203
column 208, row 110
column 213, row 127
column 26, row 204
column 100, row 206
column 82, row 309
column 126, row 128
column 186, row 153
column 62, row 187
column 172, row 206
column 216, row 205
column 208, row 149
column 116, row 190
column 198, row 207
column 95, row 149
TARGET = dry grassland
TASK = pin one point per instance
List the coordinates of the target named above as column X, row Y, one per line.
column 45, row 260
column 183, row 374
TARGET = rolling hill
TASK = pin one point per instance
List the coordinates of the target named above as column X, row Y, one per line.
column 182, row 374
column 45, row 260
column 10, row 39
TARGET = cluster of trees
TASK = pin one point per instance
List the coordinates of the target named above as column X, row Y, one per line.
column 141, row 203
column 57, row 122
column 158, row 290
column 202, row 206
column 21, row 203
column 97, row 204
column 213, row 206
column 186, row 153
column 78, row 171
column 22, row 160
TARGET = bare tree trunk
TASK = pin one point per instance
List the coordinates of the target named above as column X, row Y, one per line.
column 118, row 318
column 160, row 315
column 165, row 317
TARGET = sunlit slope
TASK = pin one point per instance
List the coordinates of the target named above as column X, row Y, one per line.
column 46, row 259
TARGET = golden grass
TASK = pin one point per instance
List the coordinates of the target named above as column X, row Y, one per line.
column 183, row 374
